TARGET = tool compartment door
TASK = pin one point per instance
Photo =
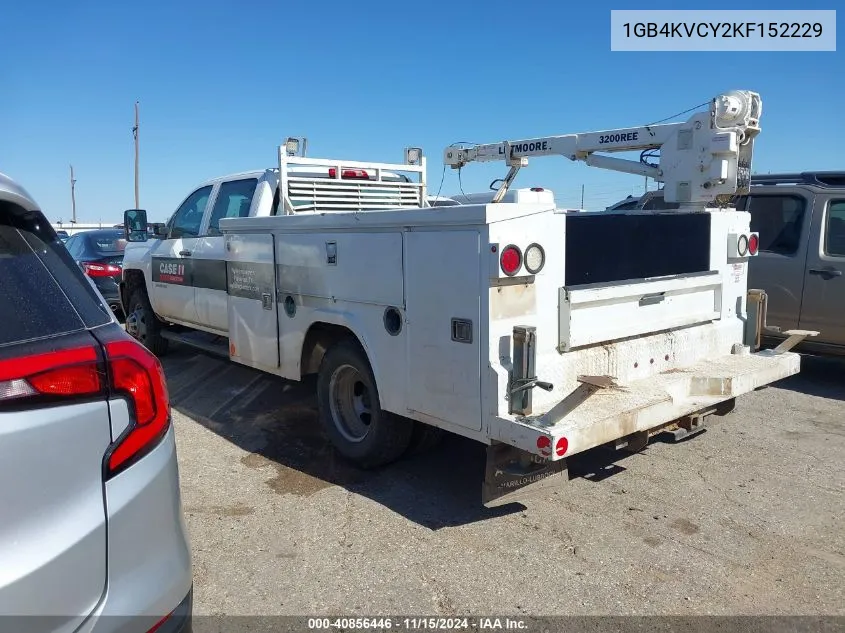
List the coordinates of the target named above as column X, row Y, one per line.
column 251, row 283
column 442, row 282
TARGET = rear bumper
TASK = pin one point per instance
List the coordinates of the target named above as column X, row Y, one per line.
column 181, row 619
column 593, row 416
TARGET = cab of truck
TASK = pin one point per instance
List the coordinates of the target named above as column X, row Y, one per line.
column 177, row 274
column 800, row 218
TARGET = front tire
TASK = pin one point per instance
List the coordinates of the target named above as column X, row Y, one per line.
column 143, row 325
column 350, row 410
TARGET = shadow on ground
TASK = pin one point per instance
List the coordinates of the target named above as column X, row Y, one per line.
column 820, row 376
column 276, row 422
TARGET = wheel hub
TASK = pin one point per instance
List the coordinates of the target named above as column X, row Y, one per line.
column 351, row 403
column 136, row 325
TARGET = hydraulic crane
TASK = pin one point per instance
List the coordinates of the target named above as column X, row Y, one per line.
column 703, row 160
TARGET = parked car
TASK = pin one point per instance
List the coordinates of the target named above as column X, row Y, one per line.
column 63, row 235
column 92, row 534
column 801, row 265
column 100, row 254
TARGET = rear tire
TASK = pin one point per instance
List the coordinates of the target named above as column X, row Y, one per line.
column 143, row 325
column 351, row 413
column 425, row 438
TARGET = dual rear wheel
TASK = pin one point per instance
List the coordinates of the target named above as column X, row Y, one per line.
column 351, row 413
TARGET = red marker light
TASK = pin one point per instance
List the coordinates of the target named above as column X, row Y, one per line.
column 544, row 445
column 351, row 174
column 511, row 260
column 561, row 446
column 753, row 243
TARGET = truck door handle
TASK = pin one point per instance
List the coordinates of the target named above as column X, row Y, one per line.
column 826, row 273
column 185, row 253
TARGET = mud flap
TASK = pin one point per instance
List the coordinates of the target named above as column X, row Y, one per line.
column 512, row 475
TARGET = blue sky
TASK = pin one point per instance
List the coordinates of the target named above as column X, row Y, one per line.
column 221, row 82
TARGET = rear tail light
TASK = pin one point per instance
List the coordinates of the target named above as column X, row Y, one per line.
column 136, row 373
column 67, row 372
column 100, row 270
column 510, row 260
column 130, row 370
column 350, row 174
column 743, row 244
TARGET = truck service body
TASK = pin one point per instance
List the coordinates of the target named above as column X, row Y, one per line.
column 538, row 332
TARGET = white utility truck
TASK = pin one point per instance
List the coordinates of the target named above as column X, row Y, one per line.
column 538, row 332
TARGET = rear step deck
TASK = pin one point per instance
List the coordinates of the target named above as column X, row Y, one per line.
column 595, row 414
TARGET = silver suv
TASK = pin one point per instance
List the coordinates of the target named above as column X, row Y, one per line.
column 92, row 535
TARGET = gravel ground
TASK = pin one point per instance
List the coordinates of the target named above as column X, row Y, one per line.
column 746, row 518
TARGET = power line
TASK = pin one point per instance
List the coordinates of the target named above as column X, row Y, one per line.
column 135, row 131
column 679, row 114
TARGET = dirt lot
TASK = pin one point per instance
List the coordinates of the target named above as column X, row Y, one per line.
column 747, row 518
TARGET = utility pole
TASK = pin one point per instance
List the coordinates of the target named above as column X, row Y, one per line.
column 582, row 196
column 135, row 134
column 73, row 194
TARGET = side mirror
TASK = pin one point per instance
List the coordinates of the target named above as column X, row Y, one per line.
column 135, row 225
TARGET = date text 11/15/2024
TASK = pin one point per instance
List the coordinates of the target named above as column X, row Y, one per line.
column 416, row 624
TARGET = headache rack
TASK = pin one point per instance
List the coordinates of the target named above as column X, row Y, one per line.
column 319, row 185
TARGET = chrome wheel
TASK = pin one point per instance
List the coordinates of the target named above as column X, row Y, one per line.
column 350, row 403
column 136, row 324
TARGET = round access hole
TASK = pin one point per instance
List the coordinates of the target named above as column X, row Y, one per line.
column 392, row 321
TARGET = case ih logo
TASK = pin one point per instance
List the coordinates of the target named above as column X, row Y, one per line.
column 172, row 273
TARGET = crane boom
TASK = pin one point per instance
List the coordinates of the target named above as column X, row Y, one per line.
column 701, row 159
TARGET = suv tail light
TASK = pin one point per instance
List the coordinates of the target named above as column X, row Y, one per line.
column 67, row 372
column 100, row 270
column 136, row 373
column 130, row 370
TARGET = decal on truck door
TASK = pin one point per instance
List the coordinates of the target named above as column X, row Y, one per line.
column 199, row 273
column 249, row 280
column 170, row 271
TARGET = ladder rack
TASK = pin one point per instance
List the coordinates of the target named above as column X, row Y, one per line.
column 317, row 185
